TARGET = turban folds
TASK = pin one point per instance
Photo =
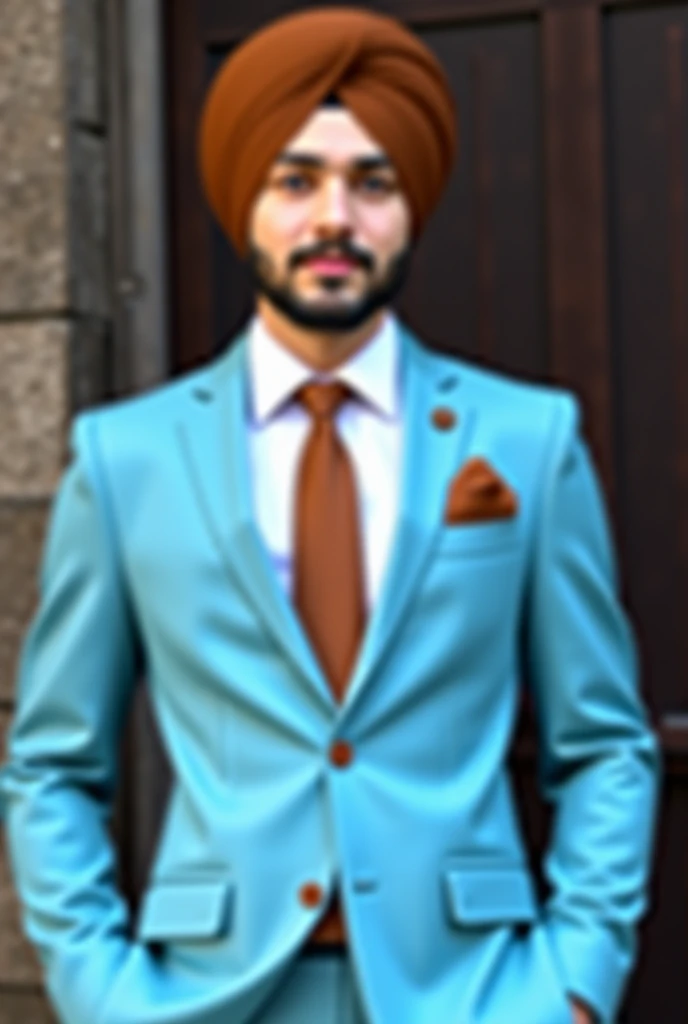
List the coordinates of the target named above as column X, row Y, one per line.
column 272, row 82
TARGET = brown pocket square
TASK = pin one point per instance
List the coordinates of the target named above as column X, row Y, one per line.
column 477, row 493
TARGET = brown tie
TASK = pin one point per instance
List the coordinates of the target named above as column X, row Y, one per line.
column 328, row 567
column 328, row 570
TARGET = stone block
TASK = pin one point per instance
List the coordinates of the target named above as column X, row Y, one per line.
column 33, row 211
column 33, row 406
column 25, row 1008
column 22, row 535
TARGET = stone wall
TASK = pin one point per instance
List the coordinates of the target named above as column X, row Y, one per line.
column 54, row 328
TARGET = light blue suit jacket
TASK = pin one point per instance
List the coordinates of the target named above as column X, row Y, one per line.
column 152, row 546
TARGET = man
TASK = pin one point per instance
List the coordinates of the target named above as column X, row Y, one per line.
column 327, row 545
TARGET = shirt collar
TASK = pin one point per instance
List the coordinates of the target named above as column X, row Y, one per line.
column 276, row 373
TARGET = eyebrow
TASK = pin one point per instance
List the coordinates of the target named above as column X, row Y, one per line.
column 362, row 163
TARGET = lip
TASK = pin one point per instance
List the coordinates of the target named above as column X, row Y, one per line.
column 331, row 266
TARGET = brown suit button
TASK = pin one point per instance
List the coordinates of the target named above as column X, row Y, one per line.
column 341, row 753
column 443, row 418
column 311, row 894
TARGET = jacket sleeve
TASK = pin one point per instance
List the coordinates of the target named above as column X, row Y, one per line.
column 76, row 674
column 599, row 759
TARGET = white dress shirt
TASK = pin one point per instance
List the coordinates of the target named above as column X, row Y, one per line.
column 369, row 426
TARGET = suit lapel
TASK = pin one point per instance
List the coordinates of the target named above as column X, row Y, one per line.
column 431, row 456
column 214, row 438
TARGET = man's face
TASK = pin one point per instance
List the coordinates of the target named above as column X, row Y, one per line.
column 332, row 192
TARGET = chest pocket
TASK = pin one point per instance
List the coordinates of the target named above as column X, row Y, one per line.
column 492, row 536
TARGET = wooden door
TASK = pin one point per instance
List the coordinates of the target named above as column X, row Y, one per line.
column 559, row 254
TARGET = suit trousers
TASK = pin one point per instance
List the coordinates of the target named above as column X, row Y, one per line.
column 318, row 988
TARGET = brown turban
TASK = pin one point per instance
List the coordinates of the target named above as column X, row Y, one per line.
column 270, row 85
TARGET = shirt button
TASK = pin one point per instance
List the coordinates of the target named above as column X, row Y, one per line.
column 341, row 753
column 311, row 894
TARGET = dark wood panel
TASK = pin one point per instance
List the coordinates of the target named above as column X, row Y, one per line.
column 218, row 24
column 576, row 221
column 658, row 989
column 219, row 29
column 673, row 732
column 221, row 23
column 677, row 166
column 190, row 269
column 647, row 145
column 478, row 279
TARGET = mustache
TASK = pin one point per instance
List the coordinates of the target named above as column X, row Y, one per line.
column 329, row 252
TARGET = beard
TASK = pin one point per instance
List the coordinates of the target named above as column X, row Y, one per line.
column 310, row 314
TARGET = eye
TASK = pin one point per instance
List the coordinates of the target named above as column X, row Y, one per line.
column 292, row 181
column 377, row 184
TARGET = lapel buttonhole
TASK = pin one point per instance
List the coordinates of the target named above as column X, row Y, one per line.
column 202, row 394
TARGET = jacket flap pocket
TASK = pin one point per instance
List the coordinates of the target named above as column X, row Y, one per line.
column 479, row 896
column 186, row 910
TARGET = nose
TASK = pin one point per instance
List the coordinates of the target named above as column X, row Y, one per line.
column 333, row 212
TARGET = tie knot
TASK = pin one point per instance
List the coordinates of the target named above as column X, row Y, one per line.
column 322, row 400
